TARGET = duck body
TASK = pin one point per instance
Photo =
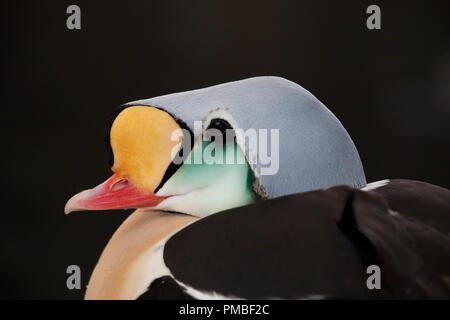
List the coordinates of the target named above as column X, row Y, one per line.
column 313, row 245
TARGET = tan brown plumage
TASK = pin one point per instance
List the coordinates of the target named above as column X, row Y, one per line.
column 122, row 269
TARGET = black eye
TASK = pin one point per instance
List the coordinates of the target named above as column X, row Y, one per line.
column 222, row 126
column 219, row 124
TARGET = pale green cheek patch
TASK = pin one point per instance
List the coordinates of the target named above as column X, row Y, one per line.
column 217, row 181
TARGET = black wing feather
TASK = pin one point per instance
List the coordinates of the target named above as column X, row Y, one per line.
column 319, row 243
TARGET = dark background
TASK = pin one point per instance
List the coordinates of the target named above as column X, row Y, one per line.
column 390, row 88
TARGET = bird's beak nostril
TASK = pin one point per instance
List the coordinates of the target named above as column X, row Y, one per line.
column 115, row 193
column 122, row 183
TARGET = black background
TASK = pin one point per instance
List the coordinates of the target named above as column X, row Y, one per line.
column 390, row 88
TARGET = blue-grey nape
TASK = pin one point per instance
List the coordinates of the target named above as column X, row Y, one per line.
column 315, row 150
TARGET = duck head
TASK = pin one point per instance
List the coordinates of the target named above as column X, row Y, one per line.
column 158, row 155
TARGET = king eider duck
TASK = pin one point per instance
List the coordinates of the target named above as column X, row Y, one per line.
column 307, row 227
